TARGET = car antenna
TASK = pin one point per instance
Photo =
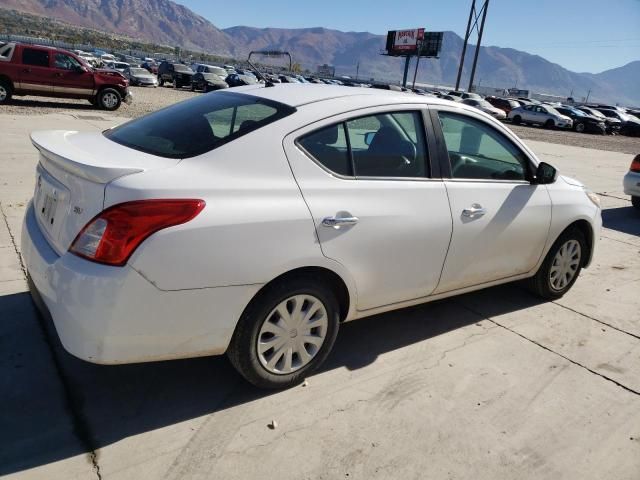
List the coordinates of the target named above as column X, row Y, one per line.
column 268, row 53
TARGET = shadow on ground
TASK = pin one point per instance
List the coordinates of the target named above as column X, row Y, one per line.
column 119, row 401
column 622, row 219
column 68, row 105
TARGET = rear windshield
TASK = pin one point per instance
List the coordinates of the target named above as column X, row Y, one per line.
column 199, row 125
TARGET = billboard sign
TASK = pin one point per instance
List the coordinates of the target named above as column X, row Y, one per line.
column 404, row 41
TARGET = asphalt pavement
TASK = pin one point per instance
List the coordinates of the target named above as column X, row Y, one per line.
column 492, row 384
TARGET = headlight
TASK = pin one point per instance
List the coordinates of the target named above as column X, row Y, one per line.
column 595, row 199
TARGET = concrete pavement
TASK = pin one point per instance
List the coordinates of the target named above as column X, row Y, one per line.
column 493, row 384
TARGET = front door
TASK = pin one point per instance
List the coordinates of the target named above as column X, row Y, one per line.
column 34, row 75
column 377, row 209
column 500, row 219
column 70, row 78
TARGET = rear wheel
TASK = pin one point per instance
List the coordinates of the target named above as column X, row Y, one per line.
column 5, row 92
column 579, row 127
column 561, row 266
column 635, row 201
column 549, row 124
column 286, row 332
column 517, row 119
column 109, row 99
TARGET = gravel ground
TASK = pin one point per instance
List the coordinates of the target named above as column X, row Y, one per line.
column 147, row 100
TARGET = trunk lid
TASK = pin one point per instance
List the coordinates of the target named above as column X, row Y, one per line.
column 72, row 174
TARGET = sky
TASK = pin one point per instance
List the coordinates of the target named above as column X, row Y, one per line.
column 581, row 35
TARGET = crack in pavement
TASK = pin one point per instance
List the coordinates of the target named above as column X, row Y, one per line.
column 609, row 379
column 80, row 424
column 602, row 322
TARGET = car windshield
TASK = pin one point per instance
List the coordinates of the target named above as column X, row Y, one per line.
column 181, row 68
column 138, row 71
column 199, row 125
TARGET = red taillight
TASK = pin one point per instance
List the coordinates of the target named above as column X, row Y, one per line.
column 113, row 235
column 635, row 165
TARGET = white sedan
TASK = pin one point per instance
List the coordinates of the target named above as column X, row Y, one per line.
column 254, row 222
column 544, row 115
column 485, row 107
column 631, row 182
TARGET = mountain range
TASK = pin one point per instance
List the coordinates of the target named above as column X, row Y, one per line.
column 165, row 22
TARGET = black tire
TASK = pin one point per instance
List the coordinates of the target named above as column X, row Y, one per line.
column 243, row 351
column 579, row 127
column 160, row 82
column 193, row 87
column 540, row 283
column 6, row 92
column 517, row 120
column 549, row 124
column 109, row 99
column 635, row 201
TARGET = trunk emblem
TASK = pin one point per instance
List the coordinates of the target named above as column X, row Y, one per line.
column 77, row 210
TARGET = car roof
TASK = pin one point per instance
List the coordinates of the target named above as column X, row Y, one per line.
column 298, row 94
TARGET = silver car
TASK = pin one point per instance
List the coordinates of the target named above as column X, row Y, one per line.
column 486, row 107
column 632, row 182
column 540, row 115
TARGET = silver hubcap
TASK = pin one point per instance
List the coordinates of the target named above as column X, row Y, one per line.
column 292, row 334
column 565, row 265
column 109, row 100
column 3, row 93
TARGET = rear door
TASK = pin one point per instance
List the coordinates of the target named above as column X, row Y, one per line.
column 500, row 219
column 69, row 77
column 34, row 75
column 378, row 205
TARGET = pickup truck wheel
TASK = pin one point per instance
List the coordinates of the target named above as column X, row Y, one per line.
column 109, row 99
column 5, row 92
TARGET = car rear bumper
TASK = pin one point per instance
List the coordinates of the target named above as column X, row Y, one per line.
column 631, row 184
column 113, row 315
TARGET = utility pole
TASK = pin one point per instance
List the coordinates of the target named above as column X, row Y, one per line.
column 406, row 70
column 474, row 15
column 357, row 68
column 587, row 99
column 415, row 73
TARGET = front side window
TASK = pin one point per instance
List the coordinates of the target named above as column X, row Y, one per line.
column 479, row 151
column 65, row 62
column 37, row 58
column 382, row 145
column 196, row 126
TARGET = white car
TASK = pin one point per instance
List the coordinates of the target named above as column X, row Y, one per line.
column 254, row 222
column 486, row 107
column 631, row 182
column 540, row 115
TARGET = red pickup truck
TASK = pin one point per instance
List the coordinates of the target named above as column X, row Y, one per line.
column 52, row 72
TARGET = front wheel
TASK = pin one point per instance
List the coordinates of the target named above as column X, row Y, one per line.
column 561, row 266
column 580, row 127
column 517, row 119
column 109, row 99
column 635, row 201
column 549, row 124
column 285, row 333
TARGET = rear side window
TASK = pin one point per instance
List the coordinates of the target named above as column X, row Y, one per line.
column 37, row 58
column 197, row 126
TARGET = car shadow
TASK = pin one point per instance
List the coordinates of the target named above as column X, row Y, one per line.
column 115, row 402
column 622, row 219
column 69, row 105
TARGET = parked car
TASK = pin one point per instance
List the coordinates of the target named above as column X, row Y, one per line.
column 486, row 107
column 629, row 125
column 465, row 95
column 150, row 67
column 174, row 73
column 119, row 66
column 202, row 68
column 288, row 79
column 583, row 123
column 451, row 98
column 504, row 104
column 207, row 82
column 140, row 77
column 613, row 124
column 53, row 72
column 544, row 115
column 631, row 182
column 237, row 80
column 245, row 223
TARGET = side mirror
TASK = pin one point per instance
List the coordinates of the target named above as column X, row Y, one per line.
column 545, row 174
column 368, row 137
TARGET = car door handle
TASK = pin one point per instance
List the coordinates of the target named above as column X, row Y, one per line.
column 475, row 211
column 337, row 222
